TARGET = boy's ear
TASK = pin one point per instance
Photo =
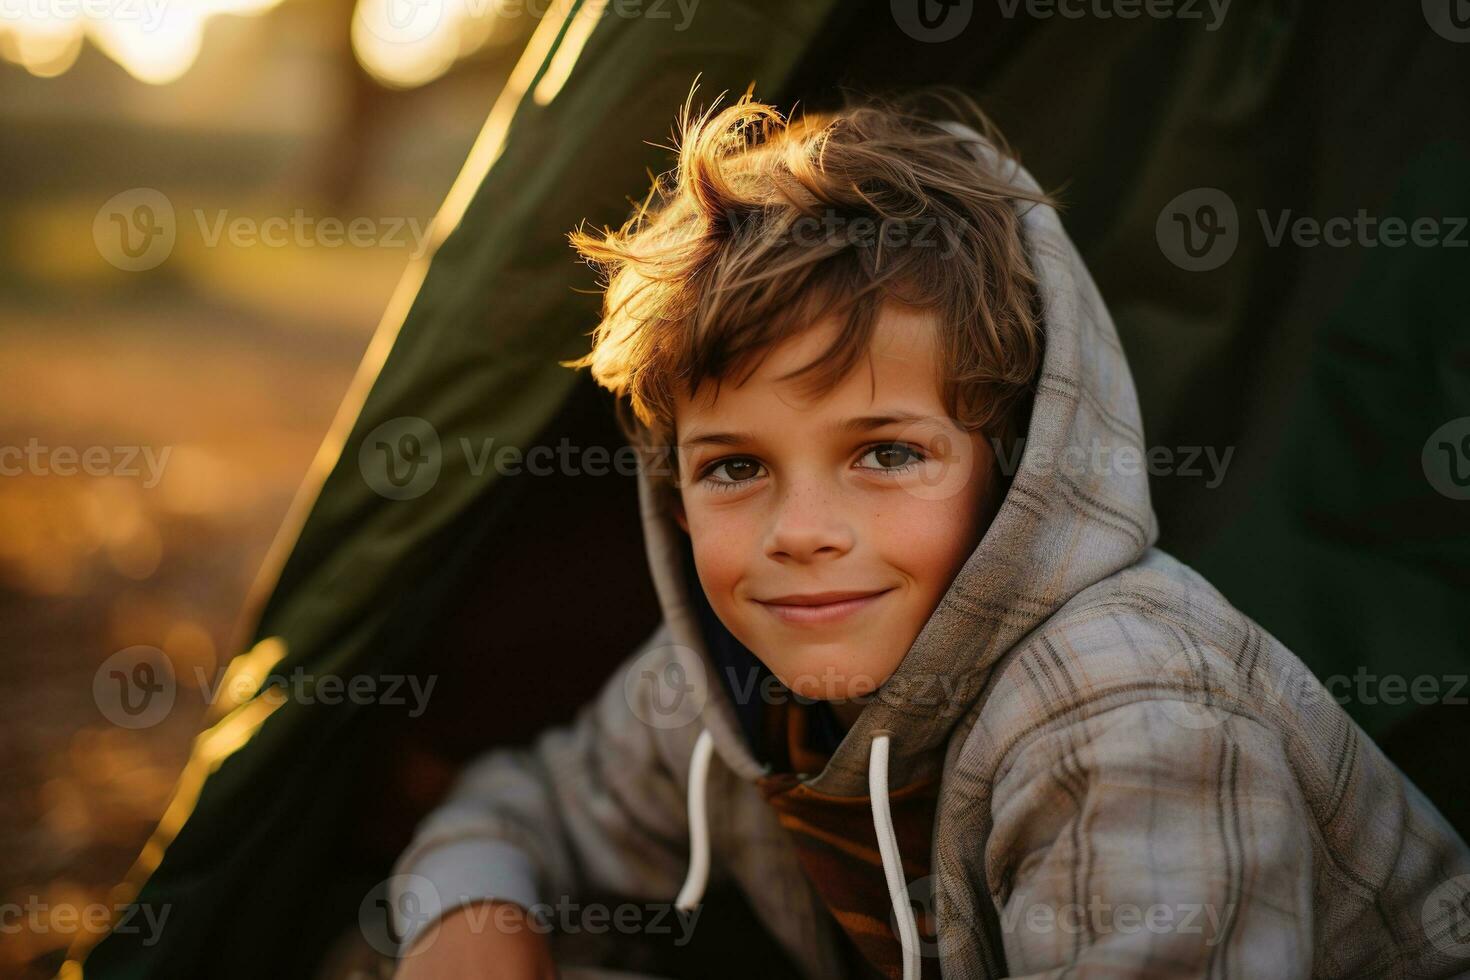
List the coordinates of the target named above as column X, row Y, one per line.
column 679, row 515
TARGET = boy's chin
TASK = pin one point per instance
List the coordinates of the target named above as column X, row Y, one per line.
column 832, row 682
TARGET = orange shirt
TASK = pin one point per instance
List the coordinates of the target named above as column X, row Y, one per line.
column 838, row 846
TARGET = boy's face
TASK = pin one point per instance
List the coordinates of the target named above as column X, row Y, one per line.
column 825, row 530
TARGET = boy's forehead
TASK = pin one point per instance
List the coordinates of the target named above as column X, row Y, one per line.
column 902, row 367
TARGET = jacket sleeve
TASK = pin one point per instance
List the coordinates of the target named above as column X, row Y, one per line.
column 1151, row 840
column 591, row 807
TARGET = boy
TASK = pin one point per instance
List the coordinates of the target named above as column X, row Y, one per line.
column 917, row 645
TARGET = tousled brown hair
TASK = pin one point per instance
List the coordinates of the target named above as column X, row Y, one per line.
column 717, row 266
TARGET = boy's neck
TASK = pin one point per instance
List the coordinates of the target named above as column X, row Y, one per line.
column 846, row 712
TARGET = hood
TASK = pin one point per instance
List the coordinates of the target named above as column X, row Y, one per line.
column 1077, row 510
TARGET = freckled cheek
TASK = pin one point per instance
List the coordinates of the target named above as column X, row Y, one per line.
column 926, row 540
column 724, row 548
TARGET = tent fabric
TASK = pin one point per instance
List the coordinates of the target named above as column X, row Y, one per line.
column 476, row 358
column 1323, row 370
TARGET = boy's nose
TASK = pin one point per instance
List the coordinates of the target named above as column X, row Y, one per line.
column 806, row 526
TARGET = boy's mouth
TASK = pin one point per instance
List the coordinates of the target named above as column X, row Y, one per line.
column 821, row 607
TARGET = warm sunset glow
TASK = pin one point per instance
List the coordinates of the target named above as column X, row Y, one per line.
column 155, row 41
column 406, row 43
column 401, row 43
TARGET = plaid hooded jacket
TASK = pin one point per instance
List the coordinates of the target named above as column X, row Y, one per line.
column 1135, row 778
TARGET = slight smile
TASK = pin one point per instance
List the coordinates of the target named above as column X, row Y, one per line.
column 821, row 607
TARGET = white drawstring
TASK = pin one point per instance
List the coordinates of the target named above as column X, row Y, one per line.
column 908, row 929
column 698, row 876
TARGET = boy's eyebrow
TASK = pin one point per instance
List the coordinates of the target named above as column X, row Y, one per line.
column 863, row 423
column 715, row 439
column 859, row 423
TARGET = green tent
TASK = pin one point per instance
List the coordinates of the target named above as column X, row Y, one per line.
column 1333, row 375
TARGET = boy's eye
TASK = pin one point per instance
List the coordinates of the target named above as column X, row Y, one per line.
column 736, row 469
column 891, row 456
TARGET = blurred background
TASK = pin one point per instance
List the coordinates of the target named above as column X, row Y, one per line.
column 242, row 239
column 230, row 358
